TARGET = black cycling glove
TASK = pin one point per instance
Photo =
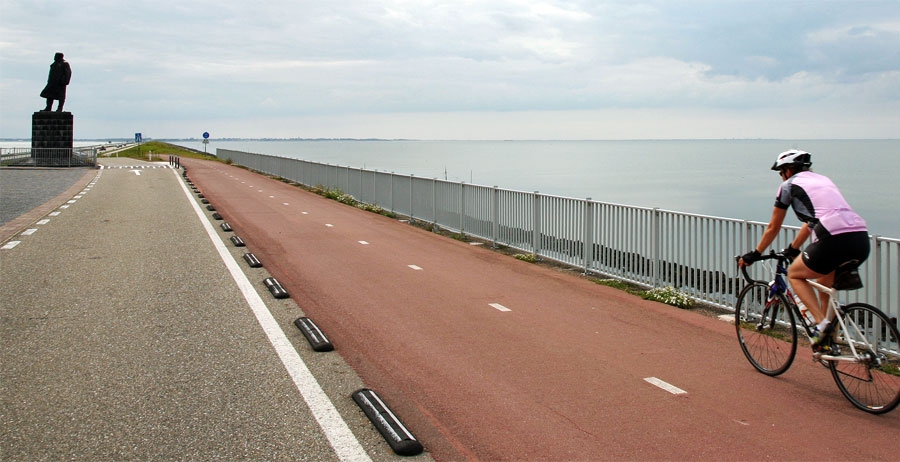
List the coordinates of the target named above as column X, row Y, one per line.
column 791, row 252
column 751, row 257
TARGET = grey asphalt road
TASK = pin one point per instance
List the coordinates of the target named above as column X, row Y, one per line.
column 23, row 190
column 125, row 334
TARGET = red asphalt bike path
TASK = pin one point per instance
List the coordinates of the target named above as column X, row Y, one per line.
column 560, row 376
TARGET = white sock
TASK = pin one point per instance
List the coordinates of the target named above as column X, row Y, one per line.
column 822, row 325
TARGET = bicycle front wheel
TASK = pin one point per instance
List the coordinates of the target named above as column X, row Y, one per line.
column 872, row 382
column 766, row 329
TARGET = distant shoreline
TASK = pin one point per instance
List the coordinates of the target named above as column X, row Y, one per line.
column 119, row 140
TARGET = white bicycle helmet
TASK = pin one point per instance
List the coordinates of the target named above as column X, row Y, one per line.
column 799, row 160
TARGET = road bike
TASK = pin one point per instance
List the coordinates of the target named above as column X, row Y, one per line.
column 863, row 353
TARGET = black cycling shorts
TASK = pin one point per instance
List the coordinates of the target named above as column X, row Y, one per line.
column 825, row 255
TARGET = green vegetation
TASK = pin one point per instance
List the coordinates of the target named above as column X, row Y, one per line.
column 667, row 295
column 891, row 369
column 340, row 196
column 780, row 333
column 459, row 237
column 530, row 257
column 161, row 148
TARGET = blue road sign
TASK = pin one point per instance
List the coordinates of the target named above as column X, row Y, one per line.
column 205, row 135
column 138, row 138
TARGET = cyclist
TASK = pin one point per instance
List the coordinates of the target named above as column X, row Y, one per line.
column 839, row 234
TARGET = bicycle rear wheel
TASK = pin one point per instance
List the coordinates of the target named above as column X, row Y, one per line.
column 766, row 329
column 872, row 384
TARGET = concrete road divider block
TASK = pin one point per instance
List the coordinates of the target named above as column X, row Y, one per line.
column 226, row 227
column 316, row 338
column 275, row 287
column 252, row 260
column 216, row 216
column 204, row 201
column 210, row 208
column 396, row 435
column 238, row 242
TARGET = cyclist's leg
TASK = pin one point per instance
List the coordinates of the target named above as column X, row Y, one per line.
column 824, row 297
column 798, row 273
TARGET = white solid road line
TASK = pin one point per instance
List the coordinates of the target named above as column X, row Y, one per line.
column 344, row 442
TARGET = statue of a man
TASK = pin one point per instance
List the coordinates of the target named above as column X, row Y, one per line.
column 60, row 74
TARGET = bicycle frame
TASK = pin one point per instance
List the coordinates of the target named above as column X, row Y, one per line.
column 834, row 311
column 779, row 285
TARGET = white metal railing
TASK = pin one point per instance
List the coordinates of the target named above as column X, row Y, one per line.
column 646, row 246
column 49, row 157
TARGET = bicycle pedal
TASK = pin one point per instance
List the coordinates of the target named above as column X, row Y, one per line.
column 821, row 349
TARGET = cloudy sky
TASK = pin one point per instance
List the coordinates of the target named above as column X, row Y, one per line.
column 458, row 69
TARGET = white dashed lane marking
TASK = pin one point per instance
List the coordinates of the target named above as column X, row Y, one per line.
column 498, row 307
column 10, row 245
column 363, row 242
column 414, row 267
column 665, row 386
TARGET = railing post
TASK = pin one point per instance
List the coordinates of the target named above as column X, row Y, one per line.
column 655, row 245
column 462, row 208
column 536, row 233
column 876, row 281
column 588, row 233
column 434, row 201
column 392, row 192
column 495, row 215
column 411, row 214
column 347, row 181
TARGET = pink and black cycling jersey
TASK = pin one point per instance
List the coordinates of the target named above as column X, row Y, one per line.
column 818, row 203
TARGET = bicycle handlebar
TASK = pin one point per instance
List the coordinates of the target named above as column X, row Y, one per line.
column 772, row 255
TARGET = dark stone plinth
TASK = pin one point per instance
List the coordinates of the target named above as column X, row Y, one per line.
column 52, row 135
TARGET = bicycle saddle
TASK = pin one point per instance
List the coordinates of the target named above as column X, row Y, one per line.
column 846, row 276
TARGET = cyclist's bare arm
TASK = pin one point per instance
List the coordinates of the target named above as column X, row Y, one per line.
column 771, row 232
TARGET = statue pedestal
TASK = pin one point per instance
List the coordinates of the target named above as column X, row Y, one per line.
column 52, row 138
